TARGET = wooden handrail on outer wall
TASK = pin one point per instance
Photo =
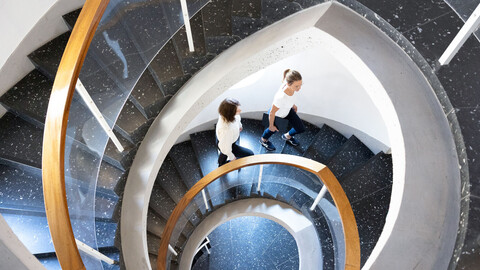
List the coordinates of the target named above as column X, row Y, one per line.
column 53, row 153
column 352, row 241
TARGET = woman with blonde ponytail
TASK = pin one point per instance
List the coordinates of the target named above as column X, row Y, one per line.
column 283, row 106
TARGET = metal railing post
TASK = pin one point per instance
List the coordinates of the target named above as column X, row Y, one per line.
column 188, row 29
column 467, row 29
column 320, row 195
column 97, row 114
column 205, row 199
column 260, row 178
column 93, row 252
column 172, row 250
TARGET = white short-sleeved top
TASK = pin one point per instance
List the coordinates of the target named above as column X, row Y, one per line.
column 283, row 102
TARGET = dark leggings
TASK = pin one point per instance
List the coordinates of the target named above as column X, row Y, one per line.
column 238, row 151
column 295, row 121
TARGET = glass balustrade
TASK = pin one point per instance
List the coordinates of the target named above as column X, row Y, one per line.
column 286, row 184
column 127, row 40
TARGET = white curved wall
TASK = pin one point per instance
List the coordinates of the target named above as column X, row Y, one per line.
column 330, row 94
column 25, row 26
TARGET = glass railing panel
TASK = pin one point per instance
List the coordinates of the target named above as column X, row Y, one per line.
column 287, row 184
column 464, row 10
column 82, row 160
column 129, row 36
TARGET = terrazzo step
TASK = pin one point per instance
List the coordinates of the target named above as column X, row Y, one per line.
column 23, row 191
column 307, row 179
column 308, row 3
column 285, row 194
column 350, row 156
column 245, row 26
column 217, row 18
column 170, row 180
column 192, row 61
column 35, row 234
column 132, row 124
column 163, row 205
column 326, row 144
column 217, row 44
column 34, row 90
column 373, row 176
column 155, row 223
column 172, row 86
column 192, row 65
column 47, row 58
column 205, row 149
column 29, row 98
column 243, row 191
column 247, row 8
column 183, row 157
column 153, row 260
column 370, row 214
column 186, row 163
column 147, row 96
column 115, row 51
column 306, row 139
column 318, row 219
column 270, row 188
column 71, row 18
column 299, row 199
column 275, row 10
column 146, row 25
column 20, row 141
column 121, row 160
column 166, row 65
column 111, row 178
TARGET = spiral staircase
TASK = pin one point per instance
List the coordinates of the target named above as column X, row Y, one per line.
column 366, row 177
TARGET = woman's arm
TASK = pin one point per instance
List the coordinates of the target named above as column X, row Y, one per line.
column 271, row 119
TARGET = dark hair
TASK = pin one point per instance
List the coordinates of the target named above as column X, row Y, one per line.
column 228, row 109
column 291, row 76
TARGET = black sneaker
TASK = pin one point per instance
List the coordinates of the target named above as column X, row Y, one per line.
column 268, row 145
column 291, row 141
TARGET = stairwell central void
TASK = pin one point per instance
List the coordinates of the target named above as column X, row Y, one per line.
column 419, row 226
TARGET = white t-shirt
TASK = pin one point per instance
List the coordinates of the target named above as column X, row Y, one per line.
column 227, row 134
column 283, row 102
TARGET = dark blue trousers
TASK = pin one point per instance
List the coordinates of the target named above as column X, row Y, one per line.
column 295, row 121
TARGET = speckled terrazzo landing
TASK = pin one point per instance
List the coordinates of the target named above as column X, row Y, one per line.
column 250, row 243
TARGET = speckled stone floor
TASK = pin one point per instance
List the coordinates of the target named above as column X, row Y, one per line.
column 250, row 243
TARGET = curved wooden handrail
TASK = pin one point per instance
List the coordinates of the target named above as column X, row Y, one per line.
column 352, row 241
column 53, row 155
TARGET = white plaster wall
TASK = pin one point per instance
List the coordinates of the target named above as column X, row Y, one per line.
column 16, row 20
column 329, row 93
column 25, row 26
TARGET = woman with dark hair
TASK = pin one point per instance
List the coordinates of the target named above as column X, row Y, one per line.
column 228, row 130
column 284, row 106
